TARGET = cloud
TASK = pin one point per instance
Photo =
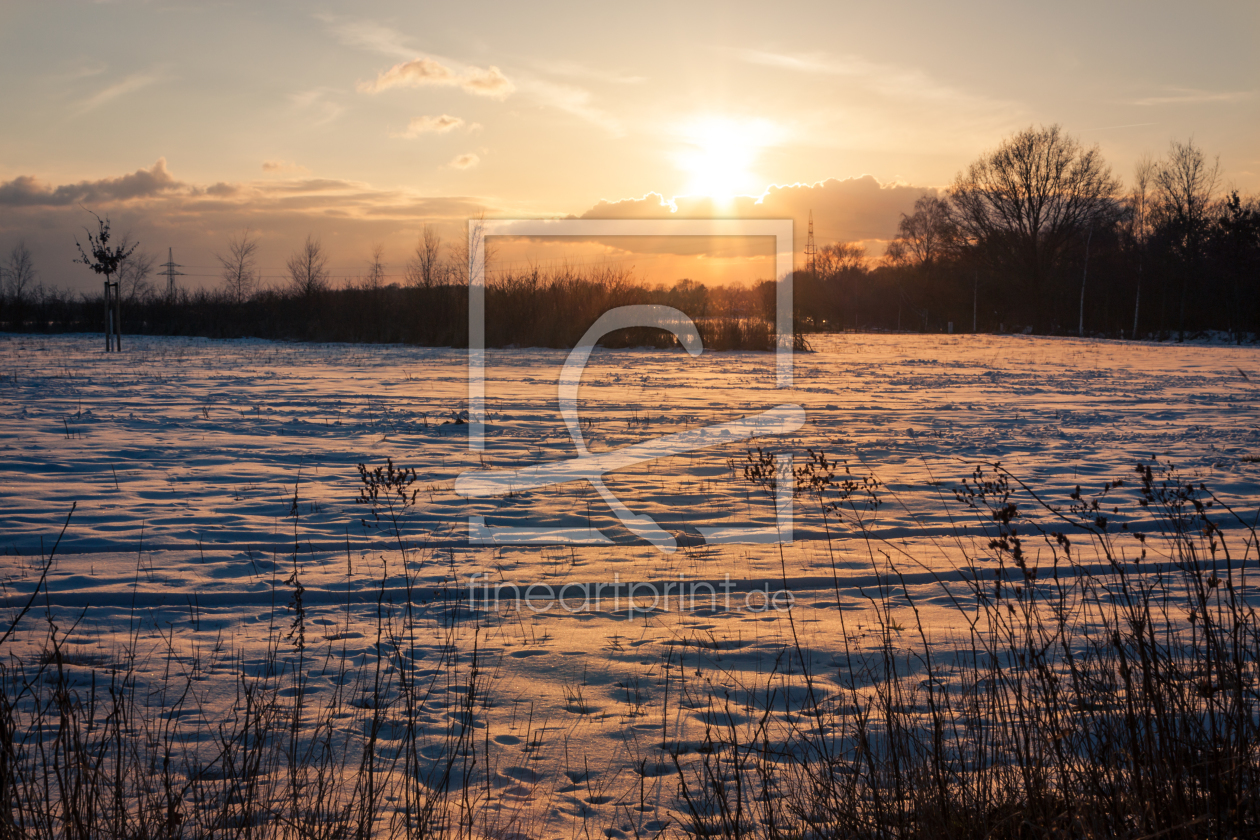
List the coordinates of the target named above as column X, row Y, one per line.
column 132, row 83
column 161, row 211
column 859, row 210
column 573, row 69
column 467, row 161
column 845, row 210
column 892, row 107
column 426, row 71
column 430, row 125
column 316, row 103
column 283, row 166
column 413, row 71
column 572, row 100
column 27, row 191
column 901, row 82
column 368, row 35
column 490, row 81
column 1192, row 96
column 419, row 71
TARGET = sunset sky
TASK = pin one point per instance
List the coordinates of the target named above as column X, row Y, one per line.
column 359, row 122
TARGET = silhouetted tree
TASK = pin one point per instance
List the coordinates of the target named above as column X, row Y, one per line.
column 1234, row 246
column 826, row 292
column 689, row 297
column 19, row 273
column 460, row 266
column 133, row 275
column 100, row 257
column 426, row 268
column 374, row 277
column 1025, row 204
column 308, row 268
column 238, row 266
column 919, row 257
column 836, row 258
column 1137, row 226
column 1184, row 186
column 925, row 236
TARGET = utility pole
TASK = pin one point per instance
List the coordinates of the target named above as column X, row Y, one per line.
column 169, row 270
column 811, row 250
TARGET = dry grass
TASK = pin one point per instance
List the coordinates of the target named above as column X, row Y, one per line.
column 1109, row 690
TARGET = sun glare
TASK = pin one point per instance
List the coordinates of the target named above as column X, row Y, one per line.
column 720, row 153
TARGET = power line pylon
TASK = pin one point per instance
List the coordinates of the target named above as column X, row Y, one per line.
column 811, row 250
column 169, row 270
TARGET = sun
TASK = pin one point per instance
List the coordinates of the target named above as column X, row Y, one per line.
column 719, row 155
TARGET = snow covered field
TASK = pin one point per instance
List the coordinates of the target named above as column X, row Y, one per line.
column 204, row 473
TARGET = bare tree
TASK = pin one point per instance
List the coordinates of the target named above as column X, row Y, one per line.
column 426, row 268
column 19, row 275
column 239, row 265
column 134, row 273
column 1138, row 223
column 308, row 268
column 924, row 236
column 1184, row 184
column 840, row 257
column 374, row 279
column 463, row 252
column 1028, row 201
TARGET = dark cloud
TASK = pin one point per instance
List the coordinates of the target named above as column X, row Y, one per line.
column 26, row 191
column 160, row 212
column 847, row 210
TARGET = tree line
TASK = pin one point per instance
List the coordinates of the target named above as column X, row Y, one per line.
column 1037, row 235
column 534, row 307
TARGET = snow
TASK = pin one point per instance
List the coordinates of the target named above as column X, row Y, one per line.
column 186, row 459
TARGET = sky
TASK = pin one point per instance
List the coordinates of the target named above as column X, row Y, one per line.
column 360, row 122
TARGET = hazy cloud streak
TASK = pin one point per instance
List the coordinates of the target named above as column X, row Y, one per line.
column 368, row 35
column 315, row 101
column 572, row 100
column 283, row 166
column 1191, row 96
column 573, row 69
column 430, row 125
column 878, row 100
column 887, row 79
column 131, row 84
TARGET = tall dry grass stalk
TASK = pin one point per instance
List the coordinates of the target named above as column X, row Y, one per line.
column 1107, row 690
column 1104, row 685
